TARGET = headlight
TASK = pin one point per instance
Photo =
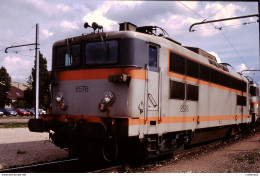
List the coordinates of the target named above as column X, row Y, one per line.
column 108, row 98
column 61, row 100
column 59, row 97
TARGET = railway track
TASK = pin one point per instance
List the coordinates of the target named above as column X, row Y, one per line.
column 77, row 166
column 187, row 153
column 42, row 167
column 64, row 166
column 168, row 158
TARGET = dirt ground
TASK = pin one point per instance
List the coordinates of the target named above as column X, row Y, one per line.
column 240, row 157
column 19, row 146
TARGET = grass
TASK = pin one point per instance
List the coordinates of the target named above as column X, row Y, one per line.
column 14, row 125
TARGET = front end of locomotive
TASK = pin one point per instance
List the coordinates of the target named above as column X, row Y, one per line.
column 95, row 83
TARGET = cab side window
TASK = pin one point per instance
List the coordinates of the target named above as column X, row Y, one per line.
column 152, row 56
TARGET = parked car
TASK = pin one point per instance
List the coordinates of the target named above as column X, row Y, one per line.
column 22, row 112
column 2, row 111
column 32, row 111
column 41, row 111
column 9, row 111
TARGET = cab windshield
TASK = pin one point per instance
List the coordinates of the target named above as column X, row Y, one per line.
column 254, row 91
column 105, row 52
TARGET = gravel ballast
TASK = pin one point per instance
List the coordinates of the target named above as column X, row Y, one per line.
column 242, row 156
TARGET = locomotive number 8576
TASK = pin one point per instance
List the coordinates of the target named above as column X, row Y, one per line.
column 135, row 92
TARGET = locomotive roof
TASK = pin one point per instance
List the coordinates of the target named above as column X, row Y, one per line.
column 159, row 40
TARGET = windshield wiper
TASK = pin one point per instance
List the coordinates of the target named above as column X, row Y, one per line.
column 106, row 46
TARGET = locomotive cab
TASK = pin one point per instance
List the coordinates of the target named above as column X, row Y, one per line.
column 99, row 86
column 89, row 66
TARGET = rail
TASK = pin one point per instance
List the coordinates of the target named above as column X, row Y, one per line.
column 29, row 167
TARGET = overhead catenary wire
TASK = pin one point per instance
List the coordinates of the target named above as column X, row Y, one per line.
column 192, row 10
column 24, row 34
column 23, row 50
column 219, row 28
column 217, row 11
column 234, row 48
column 16, row 52
column 3, row 44
column 24, row 55
column 19, row 52
column 221, row 32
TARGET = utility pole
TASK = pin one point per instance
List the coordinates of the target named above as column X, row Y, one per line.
column 37, row 72
column 36, row 67
column 259, row 32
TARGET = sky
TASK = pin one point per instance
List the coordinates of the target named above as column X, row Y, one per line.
column 235, row 43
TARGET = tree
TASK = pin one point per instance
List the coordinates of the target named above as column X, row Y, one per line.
column 29, row 93
column 42, row 71
column 21, row 104
column 5, row 87
column 29, row 96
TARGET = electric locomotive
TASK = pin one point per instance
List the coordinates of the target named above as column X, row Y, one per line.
column 134, row 91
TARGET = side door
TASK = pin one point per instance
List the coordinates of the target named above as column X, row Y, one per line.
column 152, row 89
